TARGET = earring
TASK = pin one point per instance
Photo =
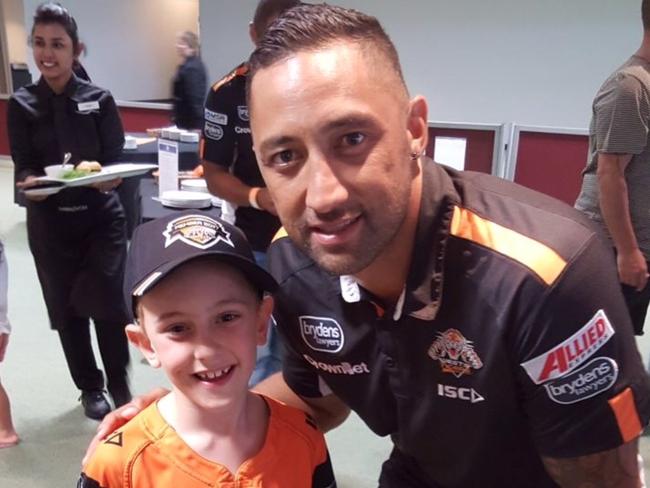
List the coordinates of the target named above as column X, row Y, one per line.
column 414, row 156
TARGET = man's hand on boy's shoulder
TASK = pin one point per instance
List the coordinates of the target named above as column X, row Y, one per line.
column 121, row 416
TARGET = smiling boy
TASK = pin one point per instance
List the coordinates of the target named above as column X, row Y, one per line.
column 202, row 308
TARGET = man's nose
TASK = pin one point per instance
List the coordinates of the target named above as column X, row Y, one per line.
column 325, row 188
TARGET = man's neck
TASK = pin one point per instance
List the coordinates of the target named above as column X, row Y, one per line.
column 387, row 274
column 644, row 49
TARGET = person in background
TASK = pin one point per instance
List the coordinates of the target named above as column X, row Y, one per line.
column 77, row 236
column 615, row 190
column 428, row 299
column 202, row 305
column 8, row 435
column 231, row 170
column 190, row 83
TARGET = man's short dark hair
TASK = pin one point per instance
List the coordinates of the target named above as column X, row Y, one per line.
column 645, row 14
column 267, row 11
column 310, row 27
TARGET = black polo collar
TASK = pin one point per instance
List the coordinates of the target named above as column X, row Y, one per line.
column 71, row 88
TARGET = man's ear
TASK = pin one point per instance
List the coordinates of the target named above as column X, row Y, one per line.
column 264, row 314
column 139, row 339
column 417, row 125
column 252, row 34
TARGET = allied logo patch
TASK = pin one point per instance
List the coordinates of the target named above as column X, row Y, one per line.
column 213, row 131
column 595, row 377
column 571, row 353
column 215, row 117
column 198, row 231
column 321, row 333
column 455, row 353
column 242, row 111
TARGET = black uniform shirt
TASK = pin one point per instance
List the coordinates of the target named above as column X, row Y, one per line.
column 511, row 339
column 43, row 126
column 227, row 142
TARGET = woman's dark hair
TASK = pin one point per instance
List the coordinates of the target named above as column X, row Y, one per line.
column 55, row 13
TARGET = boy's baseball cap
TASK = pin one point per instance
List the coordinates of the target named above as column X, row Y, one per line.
column 160, row 246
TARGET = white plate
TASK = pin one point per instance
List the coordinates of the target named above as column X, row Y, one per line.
column 189, row 137
column 48, row 190
column 120, row 170
column 197, row 185
column 185, row 199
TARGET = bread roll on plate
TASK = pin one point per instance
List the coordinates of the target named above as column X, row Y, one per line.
column 91, row 166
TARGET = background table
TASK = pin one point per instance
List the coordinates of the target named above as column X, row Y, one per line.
column 149, row 209
column 188, row 159
column 188, row 153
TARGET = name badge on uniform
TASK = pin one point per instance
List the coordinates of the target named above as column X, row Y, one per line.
column 88, row 106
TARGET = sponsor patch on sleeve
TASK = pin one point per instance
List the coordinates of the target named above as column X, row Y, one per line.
column 215, row 117
column 213, row 131
column 571, row 353
column 595, row 377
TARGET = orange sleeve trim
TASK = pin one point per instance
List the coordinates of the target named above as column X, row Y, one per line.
column 539, row 258
column 223, row 81
column 280, row 234
column 626, row 414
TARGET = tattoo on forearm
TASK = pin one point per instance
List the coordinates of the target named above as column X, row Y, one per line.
column 617, row 468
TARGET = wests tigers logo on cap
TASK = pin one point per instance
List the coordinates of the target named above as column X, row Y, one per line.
column 198, row 231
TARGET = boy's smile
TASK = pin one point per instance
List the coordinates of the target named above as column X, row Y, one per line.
column 202, row 325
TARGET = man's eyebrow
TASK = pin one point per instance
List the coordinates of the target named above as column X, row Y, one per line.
column 350, row 121
column 275, row 142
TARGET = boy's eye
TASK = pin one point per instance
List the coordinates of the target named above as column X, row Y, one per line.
column 228, row 317
column 176, row 329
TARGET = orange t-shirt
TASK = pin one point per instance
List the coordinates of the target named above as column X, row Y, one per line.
column 148, row 453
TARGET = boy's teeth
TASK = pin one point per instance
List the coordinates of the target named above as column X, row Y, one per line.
column 211, row 375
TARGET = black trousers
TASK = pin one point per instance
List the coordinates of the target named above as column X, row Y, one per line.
column 113, row 347
column 637, row 304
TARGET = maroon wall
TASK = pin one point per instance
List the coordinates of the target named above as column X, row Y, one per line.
column 552, row 163
column 480, row 146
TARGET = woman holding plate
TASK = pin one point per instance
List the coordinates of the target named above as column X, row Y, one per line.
column 77, row 236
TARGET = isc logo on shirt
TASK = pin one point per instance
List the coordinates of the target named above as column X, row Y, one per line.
column 321, row 333
column 460, row 393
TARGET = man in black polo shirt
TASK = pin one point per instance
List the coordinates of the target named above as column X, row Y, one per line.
column 470, row 319
column 231, row 169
